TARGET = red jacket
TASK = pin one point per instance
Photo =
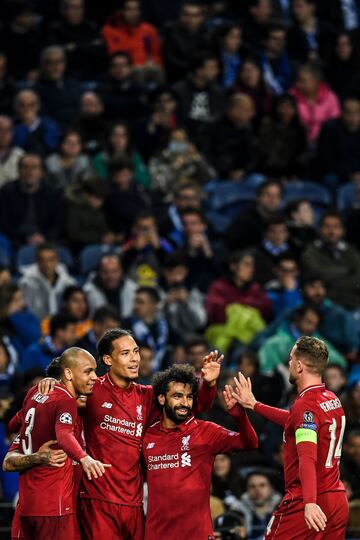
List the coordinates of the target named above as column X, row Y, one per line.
column 141, row 42
column 223, row 292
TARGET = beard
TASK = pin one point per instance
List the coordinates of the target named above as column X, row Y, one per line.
column 292, row 379
column 172, row 415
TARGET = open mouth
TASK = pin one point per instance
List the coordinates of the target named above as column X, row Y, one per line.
column 182, row 411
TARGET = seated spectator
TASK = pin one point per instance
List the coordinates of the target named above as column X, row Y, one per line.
column 259, row 16
column 200, row 98
column 33, row 132
column 75, row 305
column 180, row 161
column 275, row 351
column 104, row 318
column 7, row 87
column 340, row 13
column 254, row 218
column 125, row 198
column 9, row 360
column 251, row 81
column 230, row 52
column 148, row 325
column 62, row 336
column 9, row 155
column 122, row 96
column 16, row 321
column 69, row 164
column 237, row 286
column 120, row 146
column 196, row 347
column 282, row 141
column 85, row 50
column 107, row 286
column 84, row 219
column 335, row 261
column 284, row 291
column 91, row 123
column 183, row 37
column 335, row 380
column 338, row 151
column 316, row 102
column 342, row 70
column 30, row 210
column 145, row 251
column 301, row 223
column 60, row 96
column 44, row 282
column 21, row 33
column 274, row 60
column 350, row 463
column 352, row 218
column 309, row 38
column 126, row 31
column 183, row 306
column 146, row 367
column 226, row 482
column 234, row 151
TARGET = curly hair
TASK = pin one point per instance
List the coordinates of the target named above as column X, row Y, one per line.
column 180, row 373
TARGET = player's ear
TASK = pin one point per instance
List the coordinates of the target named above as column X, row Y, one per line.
column 161, row 399
column 68, row 374
column 107, row 360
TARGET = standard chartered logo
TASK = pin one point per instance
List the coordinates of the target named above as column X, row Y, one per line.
column 185, row 459
column 139, row 430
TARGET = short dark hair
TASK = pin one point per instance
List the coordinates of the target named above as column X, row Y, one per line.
column 300, row 311
column 46, row 246
column 173, row 260
column 193, row 211
column 314, row 352
column 180, row 373
column 105, row 345
column 199, row 59
column 145, row 214
column 195, row 341
column 311, row 279
column 259, row 472
column 119, row 164
column 105, row 312
column 275, row 220
column 269, row 182
column 53, row 370
column 70, row 290
column 331, row 214
column 151, row 292
column 120, row 54
column 60, row 322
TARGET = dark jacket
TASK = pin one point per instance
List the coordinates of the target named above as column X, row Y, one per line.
column 246, row 230
column 60, row 100
column 121, row 207
column 123, row 100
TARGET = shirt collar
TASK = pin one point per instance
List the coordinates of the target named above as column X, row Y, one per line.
column 312, row 387
column 181, row 427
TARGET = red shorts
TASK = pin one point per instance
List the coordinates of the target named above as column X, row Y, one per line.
column 288, row 520
column 16, row 533
column 49, row 527
column 101, row 519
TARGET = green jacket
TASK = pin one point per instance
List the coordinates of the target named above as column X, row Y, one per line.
column 100, row 165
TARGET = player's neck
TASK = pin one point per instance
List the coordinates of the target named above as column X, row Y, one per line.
column 70, row 388
column 306, row 381
column 167, row 423
column 121, row 382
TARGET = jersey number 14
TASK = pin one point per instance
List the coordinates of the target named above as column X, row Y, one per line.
column 335, row 451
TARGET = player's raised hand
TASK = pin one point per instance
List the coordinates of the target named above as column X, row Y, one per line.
column 93, row 468
column 46, row 385
column 211, row 367
column 49, row 456
column 230, row 401
column 243, row 392
column 315, row 517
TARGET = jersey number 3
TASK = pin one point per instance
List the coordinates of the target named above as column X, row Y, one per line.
column 335, row 452
column 29, row 421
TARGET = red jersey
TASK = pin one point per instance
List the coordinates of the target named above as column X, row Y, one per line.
column 46, row 490
column 114, row 424
column 315, row 417
column 179, row 464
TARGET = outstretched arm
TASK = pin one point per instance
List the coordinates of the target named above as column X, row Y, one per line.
column 16, row 462
column 248, row 435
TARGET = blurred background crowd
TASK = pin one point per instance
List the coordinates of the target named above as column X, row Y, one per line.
column 190, row 171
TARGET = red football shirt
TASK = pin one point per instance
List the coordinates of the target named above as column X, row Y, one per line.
column 45, row 490
column 315, row 417
column 115, row 420
column 179, row 464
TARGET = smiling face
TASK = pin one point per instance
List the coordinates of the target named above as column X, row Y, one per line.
column 83, row 374
column 124, row 360
column 177, row 403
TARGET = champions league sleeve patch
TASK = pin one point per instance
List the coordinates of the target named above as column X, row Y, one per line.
column 308, row 417
column 66, row 418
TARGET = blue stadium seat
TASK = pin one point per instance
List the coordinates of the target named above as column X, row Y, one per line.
column 26, row 256
column 346, row 196
column 4, row 258
column 90, row 257
column 319, row 196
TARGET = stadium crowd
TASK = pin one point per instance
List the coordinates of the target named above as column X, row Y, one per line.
column 189, row 171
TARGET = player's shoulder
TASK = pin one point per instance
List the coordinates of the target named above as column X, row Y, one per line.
column 153, row 429
column 60, row 394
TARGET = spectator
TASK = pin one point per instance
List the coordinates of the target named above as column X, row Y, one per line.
column 33, row 132
column 9, row 360
column 125, row 31
column 125, row 198
column 234, row 151
column 30, row 210
column 301, row 223
column 282, row 141
column 335, row 261
column 62, row 336
column 230, row 52
column 226, row 482
column 44, row 282
column 352, row 403
column 253, row 219
column 308, row 38
column 237, row 286
column 148, row 325
column 120, row 146
column 196, row 347
column 144, row 253
column 342, row 68
column 9, row 155
column 21, row 33
column 335, row 380
column 75, row 304
column 183, row 306
column 259, row 16
column 84, row 220
column 107, row 286
column 104, row 318
column 146, row 367
column 339, row 145
column 352, row 217
column 7, row 87
column 122, row 96
column 341, row 13
column 60, row 96
column 69, row 164
column 80, row 39
column 304, row 321
column 274, row 60
column 350, row 464
column 251, row 82
column 200, row 98
column 179, row 162
column 284, row 291
column 316, row 102
column 184, row 37
column 91, row 123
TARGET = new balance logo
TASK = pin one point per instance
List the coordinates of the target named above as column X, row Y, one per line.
column 185, row 460
column 150, row 445
column 107, row 405
column 185, row 443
